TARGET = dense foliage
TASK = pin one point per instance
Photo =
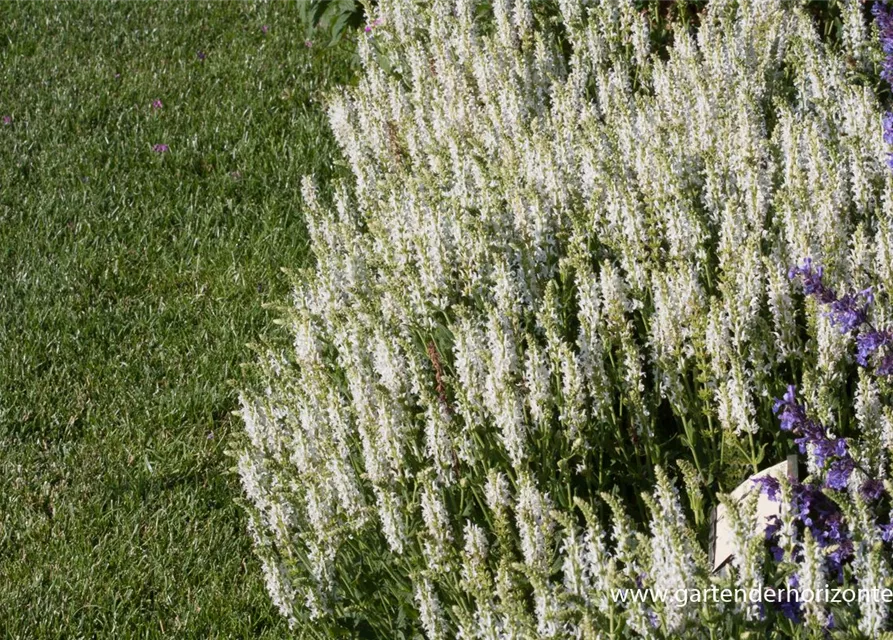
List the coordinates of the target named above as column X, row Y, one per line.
column 559, row 277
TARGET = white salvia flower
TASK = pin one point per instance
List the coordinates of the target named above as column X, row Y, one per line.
column 832, row 347
column 320, row 506
column 429, row 610
column 855, row 36
column 870, row 417
column 736, row 408
column 573, row 567
column 548, row 612
column 887, row 430
column 281, row 591
column 572, row 413
column 306, row 440
column 438, row 445
column 260, row 431
column 811, row 572
column 501, row 394
column 474, row 560
column 598, row 566
column 279, row 519
column 488, row 626
column 534, row 524
column 778, row 296
column 470, row 368
column 437, row 524
column 251, row 473
column 537, row 376
column 390, row 511
column 321, row 559
column 392, row 432
column 787, row 530
column 748, row 549
column 870, row 568
column 522, row 18
column 389, row 365
column 613, row 299
column 672, row 567
column 344, row 482
column 496, row 492
column 590, row 344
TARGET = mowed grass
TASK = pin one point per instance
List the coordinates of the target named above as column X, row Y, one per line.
column 130, row 283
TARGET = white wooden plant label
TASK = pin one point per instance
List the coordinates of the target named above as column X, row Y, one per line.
column 722, row 538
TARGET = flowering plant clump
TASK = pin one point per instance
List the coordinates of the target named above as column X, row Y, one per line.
column 556, row 279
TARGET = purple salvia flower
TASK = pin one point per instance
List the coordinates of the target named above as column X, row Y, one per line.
column 792, row 413
column 839, row 475
column 871, row 490
column 885, row 368
column 201, row 55
column 790, row 608
column 160, row 148
column 869, row 342
column 888, row 127
column 848, row 313
column 770, row 486
column 773, row 525
column 812, row 281
column 824, row 447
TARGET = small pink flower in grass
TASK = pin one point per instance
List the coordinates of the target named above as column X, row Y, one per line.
column 201, row 55
column 264, row 29
column 375, row 23
column 156, row 104
column 160, row 148
column 308, row 43
column 7, row 119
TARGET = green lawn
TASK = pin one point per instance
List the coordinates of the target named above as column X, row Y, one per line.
column 130, row 282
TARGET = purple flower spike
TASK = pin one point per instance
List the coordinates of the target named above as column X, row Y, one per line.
column 840, row 473
column 885, row 368
column 201, row 55
column 812, row 281
column 160, row 148
column 869, row 342
column 793, row 415
column 770, row 486
column 871, row 490
column 888, row 127
column 848, row 313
